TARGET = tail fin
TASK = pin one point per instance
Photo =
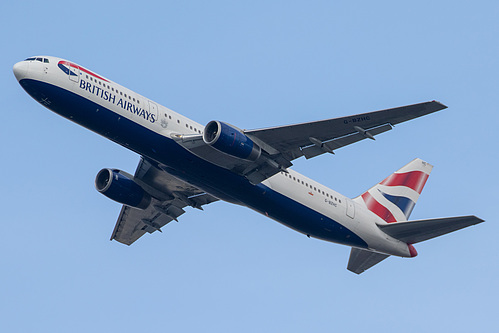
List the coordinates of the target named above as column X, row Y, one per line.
column 394, row 198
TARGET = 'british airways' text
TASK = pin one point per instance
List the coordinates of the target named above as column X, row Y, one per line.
column 118, row 101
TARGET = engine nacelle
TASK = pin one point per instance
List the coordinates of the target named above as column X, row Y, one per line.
column 122, row 189
column 230, row 140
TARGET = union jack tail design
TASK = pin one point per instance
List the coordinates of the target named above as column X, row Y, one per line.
column 394, row 198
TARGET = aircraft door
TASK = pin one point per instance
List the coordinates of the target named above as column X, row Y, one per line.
column 74, row 73
column 350, row 208
column 153, row 110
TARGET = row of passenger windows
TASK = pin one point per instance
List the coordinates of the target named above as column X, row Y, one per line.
column 112, row 89
column 193, row 128
column 186, row 125
column 326, row 194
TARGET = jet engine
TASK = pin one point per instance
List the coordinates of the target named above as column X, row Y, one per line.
column 230, row 140
column 120, row 188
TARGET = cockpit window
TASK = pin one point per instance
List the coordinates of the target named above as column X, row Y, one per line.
column 44, row 60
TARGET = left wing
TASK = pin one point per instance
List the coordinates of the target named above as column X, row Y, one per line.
column 278, row 146
column 325, row 136
column 169, row 196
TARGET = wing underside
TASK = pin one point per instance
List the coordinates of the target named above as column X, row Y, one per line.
column 169, row 198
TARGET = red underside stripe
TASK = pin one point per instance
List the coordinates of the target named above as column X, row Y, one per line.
column 377, row 208
column 414, row 179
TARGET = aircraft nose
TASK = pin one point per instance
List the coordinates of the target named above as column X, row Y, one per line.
column 20, row 70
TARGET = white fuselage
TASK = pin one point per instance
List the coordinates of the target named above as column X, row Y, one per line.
column 330, row 213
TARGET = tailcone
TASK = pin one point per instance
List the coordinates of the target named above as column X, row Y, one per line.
column 412, row 250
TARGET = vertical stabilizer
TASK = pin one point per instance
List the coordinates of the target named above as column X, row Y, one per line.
column 394, row 198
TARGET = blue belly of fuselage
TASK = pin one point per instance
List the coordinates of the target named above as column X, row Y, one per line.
column 188, row 167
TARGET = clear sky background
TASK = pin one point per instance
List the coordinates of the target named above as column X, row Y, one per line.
column 253, row 64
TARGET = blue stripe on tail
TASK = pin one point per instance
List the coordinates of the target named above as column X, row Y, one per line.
column 405, row 204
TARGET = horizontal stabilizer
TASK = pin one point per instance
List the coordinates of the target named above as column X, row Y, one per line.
column 417, row 231
column 362, row 260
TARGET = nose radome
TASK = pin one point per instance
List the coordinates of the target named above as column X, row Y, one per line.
column 20, row 70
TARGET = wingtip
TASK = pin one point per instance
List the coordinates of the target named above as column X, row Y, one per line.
column 440, row 104
column 478, row 220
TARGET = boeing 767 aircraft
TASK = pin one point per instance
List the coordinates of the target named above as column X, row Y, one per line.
column 184, row 163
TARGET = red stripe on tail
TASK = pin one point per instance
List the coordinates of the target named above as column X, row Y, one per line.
column 377, row 208
column 415, row 180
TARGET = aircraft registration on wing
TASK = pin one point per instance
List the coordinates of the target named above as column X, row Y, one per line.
column 184, row 163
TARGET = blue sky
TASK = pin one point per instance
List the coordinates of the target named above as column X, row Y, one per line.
column 253, row 64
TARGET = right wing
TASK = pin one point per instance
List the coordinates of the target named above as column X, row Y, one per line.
column 169, row 196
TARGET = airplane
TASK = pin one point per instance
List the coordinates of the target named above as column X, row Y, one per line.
column 185, row 164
